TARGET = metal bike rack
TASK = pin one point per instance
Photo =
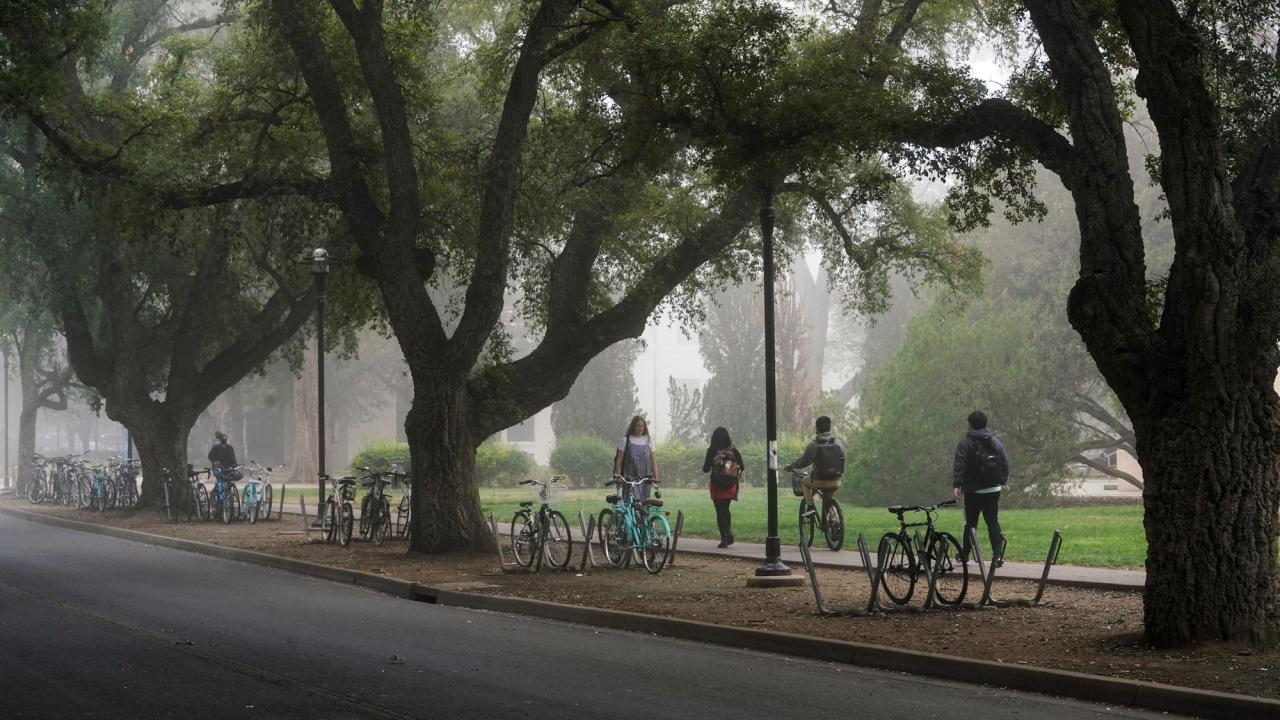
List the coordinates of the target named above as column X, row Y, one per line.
column 675, row 537
column 497, row 544
column 168, row 505
column 988, row 574
column 588, row 526
column 306, row 524
column 807, row 557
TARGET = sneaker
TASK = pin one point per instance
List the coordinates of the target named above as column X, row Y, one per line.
column 728, row 541
column 724, row 543
column 999, row 563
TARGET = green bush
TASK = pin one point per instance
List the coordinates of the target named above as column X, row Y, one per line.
column 380, row 456
column 501, row 465
column 587, row 460
column 680, row 465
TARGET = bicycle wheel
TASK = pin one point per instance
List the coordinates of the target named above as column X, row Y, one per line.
column 346, row 522
column 657, row 548
column 833, row 529
column 403, row 512
column 611, row 538
column 365, row 515
column 265, row 501
column 950, row 570
column 84, row 492
column 806, row 524
column 330, row 524
column 35, row 489
column 201, row 500
column 108, row 496
column 230, row 504
column 380, row 523
column 897, row 567
column 252, row 499
column 524, row 538
column 559, row 540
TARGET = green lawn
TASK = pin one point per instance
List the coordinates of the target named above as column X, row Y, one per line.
column 1103, row 536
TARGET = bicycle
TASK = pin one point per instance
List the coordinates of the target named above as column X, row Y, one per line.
column 375, row 508
column 404, row 511
column 102, row 490
column 256, row 497
column 224, row 494
column 645, row 534
column 902, row 562
column 37, row 482
column 200, row 501
column 544, row 533
column 337, row 522
column 830, row 521
column 124, row 475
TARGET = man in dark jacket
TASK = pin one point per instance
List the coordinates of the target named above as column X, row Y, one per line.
column 979, row 473
column 824, row 480
column 223, row 455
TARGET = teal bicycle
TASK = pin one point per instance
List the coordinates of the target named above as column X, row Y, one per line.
column 635, row 527
column 256, row 498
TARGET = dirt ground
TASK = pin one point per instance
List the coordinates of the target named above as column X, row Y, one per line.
column 1082, row 630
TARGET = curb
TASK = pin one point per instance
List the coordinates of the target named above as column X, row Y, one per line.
column 1028, row 678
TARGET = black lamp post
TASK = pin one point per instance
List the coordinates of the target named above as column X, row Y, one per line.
column 8, row 481
column 320, row 273
column 773, row 565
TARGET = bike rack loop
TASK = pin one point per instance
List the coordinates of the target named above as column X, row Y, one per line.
column 1051, row 559
column 873, row 573
column 306, row 524
column 675, row 539
column 588, row 526
column 168, row 505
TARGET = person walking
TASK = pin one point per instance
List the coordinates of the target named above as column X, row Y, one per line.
column 826, row 453
column 724, row 463
column 979, row 473
column 635, row 458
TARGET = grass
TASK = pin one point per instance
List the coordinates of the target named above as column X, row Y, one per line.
column 1102, row 536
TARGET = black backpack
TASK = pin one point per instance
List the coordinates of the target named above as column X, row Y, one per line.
column 986, row 467
column 828, row 463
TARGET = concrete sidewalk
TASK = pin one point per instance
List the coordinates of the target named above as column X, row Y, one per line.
column 848, row 557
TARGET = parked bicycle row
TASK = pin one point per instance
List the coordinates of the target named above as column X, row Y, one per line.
column 237, row 493
column 73, row 480
column 376, row 524
column 633, row 527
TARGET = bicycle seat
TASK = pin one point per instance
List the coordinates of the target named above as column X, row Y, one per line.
column 526, row 503
column 899, row 509
column 651, row 502
column 347, row 481
column 612, row 499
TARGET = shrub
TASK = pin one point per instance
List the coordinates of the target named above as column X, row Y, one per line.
column 680, row 465
column 501, row 465
column 380, row 456
column 585, row 459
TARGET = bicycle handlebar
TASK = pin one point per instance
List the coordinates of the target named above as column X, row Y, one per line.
column 618, row 479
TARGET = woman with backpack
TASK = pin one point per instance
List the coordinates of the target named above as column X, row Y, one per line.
column 724, row 463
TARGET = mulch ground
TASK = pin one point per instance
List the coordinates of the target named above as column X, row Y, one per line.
column 1088, row 631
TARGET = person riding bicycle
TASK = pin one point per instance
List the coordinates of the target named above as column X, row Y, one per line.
column 826, row 453
column 223, row 455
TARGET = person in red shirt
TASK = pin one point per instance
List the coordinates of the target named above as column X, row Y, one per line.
column 724, row 463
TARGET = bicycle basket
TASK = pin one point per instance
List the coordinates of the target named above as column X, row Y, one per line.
column 797, row 488
column 552, row 493
column 348, row 492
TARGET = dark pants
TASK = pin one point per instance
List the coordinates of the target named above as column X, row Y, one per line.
column 724, row 521
column 987, row 505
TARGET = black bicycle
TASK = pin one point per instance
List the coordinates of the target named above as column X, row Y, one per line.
column 830, row 520
column 903, row 562
column 544, row 532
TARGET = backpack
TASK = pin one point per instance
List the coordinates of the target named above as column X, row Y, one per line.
column 725, row 468
column 828, row 463
column 986, row 467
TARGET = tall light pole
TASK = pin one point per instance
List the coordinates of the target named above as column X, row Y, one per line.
column 320, row 273
column 773, row 566
column 8, row 480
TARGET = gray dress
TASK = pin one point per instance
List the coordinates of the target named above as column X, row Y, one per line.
column 636, row 464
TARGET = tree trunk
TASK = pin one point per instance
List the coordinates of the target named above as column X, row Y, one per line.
column 162, row 447
column 235, row 422
column 1212, row 495
column 303, row 464
column 26, row 443
column 446, row 498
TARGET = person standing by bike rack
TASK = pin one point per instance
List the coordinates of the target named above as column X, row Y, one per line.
column 825, row 453
column 635, row 458
column 979, row 473
column 724, row 463
column 223, row 455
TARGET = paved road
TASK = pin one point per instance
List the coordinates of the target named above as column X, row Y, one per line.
column 92, row 627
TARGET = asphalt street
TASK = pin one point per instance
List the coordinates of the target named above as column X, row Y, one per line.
column 93, row 627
